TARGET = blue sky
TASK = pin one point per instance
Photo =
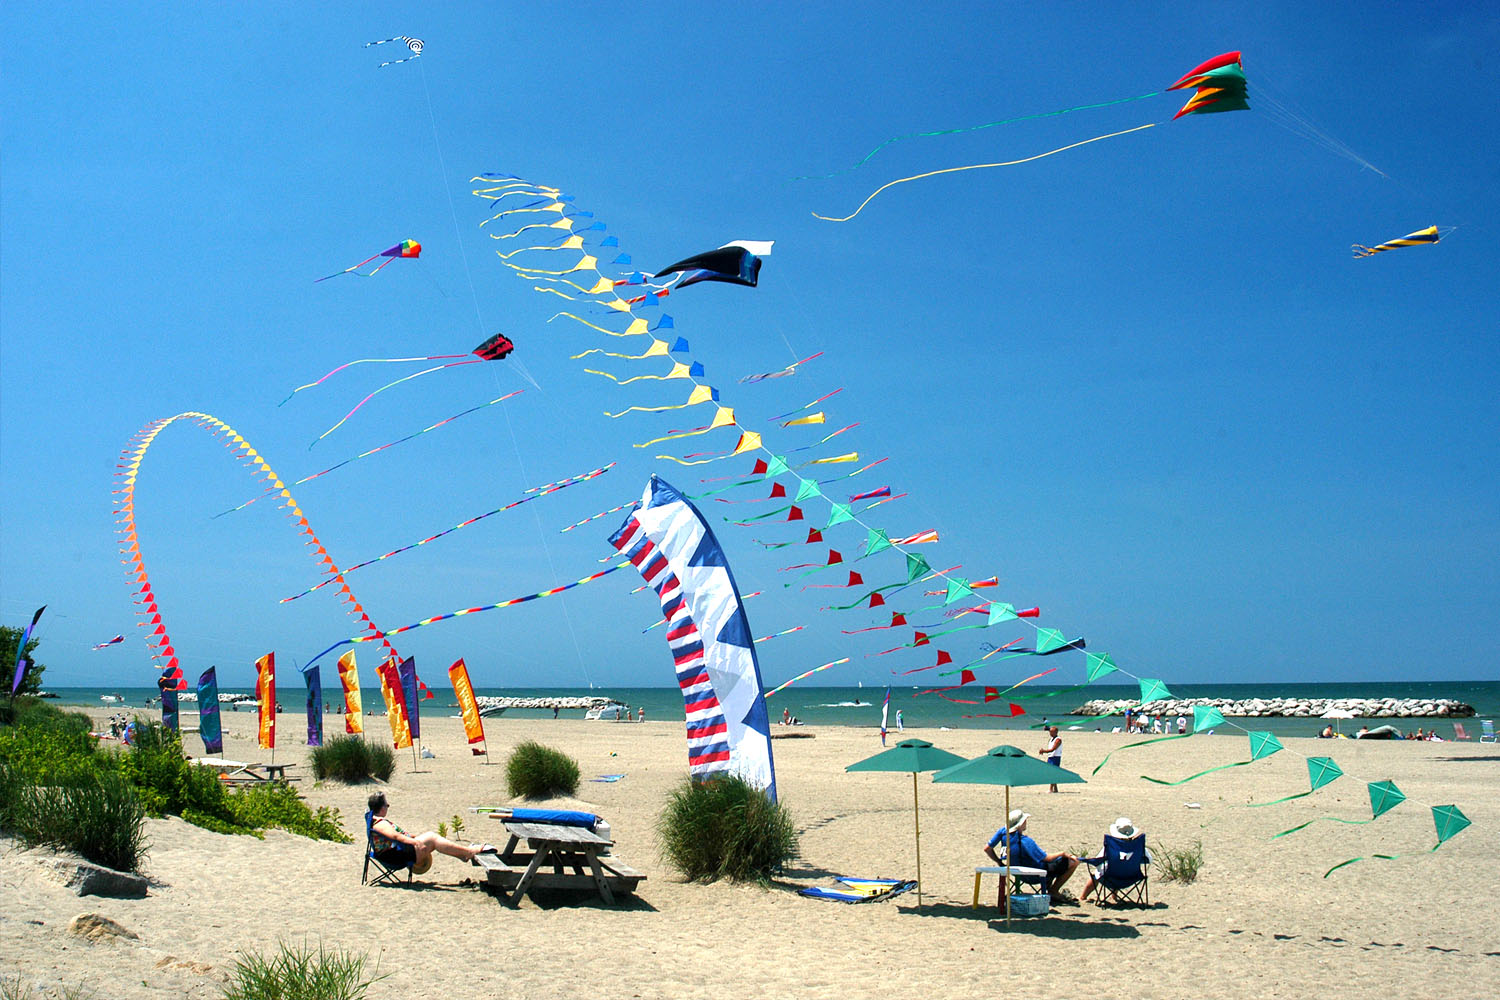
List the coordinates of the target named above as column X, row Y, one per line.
column 1142, row 381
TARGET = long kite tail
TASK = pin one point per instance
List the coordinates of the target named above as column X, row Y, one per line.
column 346, row 270
column 977, row 166
column 388, row 385
column 366, row 361
column 973, row 128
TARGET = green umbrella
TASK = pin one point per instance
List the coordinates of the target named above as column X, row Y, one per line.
column 1008, row 766
column 910, row 756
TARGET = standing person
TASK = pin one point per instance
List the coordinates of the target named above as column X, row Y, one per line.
column 1053, row 750
column 640, row 714
column 900, row 727
column 1181, row 724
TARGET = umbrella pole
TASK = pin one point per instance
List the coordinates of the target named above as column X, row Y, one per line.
column 1005, row 878
column 917, row 816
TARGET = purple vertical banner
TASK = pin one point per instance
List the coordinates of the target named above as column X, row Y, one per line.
column 23, row 664
column 169, row 705
column 314, row 704
column 408, row 673
column 208, row 712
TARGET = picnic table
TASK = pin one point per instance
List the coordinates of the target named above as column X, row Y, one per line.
column 578, row 857
column 237, row 772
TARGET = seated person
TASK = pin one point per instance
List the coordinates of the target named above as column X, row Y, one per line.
column 1122, row 829
column 1326, row 734
column 395, row 848
column 1025, row 852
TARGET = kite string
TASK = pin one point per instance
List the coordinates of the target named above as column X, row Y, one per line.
column 979, row 166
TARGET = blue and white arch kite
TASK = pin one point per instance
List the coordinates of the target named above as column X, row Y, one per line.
column 728, row 729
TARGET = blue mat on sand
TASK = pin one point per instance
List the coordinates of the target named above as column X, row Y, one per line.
column 860, row 890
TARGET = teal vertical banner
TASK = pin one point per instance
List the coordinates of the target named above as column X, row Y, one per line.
column 314, row 704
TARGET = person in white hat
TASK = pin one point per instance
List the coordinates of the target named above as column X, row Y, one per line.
column 1120, row 829
column 1026, row 853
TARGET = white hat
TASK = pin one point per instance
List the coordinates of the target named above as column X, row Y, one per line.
column 1017, row 821
column 1123, row 828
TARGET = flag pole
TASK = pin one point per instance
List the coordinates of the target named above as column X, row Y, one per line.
column 917, row 814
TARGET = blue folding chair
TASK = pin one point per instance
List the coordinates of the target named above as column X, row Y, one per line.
column 1122, row 872
column 384, row 872
column 1487, row 731
column 1021, row 883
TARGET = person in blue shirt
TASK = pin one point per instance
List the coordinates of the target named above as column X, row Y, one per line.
column 1026, row 853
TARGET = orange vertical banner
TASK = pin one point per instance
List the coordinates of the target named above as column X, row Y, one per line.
column 473, row 727
column 349, row 677
column 395, row 704
column 265, row 697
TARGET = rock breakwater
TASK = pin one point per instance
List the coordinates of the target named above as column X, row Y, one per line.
column 1298, row 708
column 489, row 703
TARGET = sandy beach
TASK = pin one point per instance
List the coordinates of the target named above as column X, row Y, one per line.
column 1260, row 921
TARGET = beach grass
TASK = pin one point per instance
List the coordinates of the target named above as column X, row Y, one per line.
column 1179, row 864
column 298, row 972
column 535, row 771
column 352, row 759
column 725, row 828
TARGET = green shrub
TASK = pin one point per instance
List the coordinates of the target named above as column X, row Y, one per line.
column 539, row 772
column 299, row 973
column 725, row 828
column 273, row 804
column 99, row 817
column 351, row 759
column 1179, row 864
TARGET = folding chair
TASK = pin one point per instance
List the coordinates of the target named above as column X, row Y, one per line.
column 1458, row 731
column 384, row 872
column 1123, row 870
column 1487, row 731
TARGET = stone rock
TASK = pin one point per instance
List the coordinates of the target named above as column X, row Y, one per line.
column 96, row 927
column 88, row 879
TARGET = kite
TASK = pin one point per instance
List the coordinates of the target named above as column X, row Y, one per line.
column 602, row 513
column 790, row 369
column 808, row 673
column 736, row 263
column 468, row 611
column 1219, row 83
column 109, row 642
column 676, row 553
column 406, row 248
column 415, row 44
column 367, row 454
column 128, row 470
column 530, row 495
column 494, row 348
column 1416, row 239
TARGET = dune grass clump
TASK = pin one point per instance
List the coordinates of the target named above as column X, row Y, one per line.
column 300, row 973
column 725, row 828
column 540, row 772
column 97, row 816
column 351, row 759
column 1179, row 864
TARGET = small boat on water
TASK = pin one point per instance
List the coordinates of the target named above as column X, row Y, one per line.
column 610, row 712
column 112, row 699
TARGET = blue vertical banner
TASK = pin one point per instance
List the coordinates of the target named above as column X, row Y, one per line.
column 208, row 712
column 169, row 705
column 314, row 704
column 408, row 674
column 713, row 654
column 23, row 664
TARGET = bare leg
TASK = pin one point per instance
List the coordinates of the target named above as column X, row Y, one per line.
column 1067, row 874
column 1088, row 887
column 429, row 842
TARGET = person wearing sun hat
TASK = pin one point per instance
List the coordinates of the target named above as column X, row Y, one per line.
column 1025, row 852
column 1120, row 829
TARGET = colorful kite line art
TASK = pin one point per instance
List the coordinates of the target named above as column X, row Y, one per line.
column 128, row 470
